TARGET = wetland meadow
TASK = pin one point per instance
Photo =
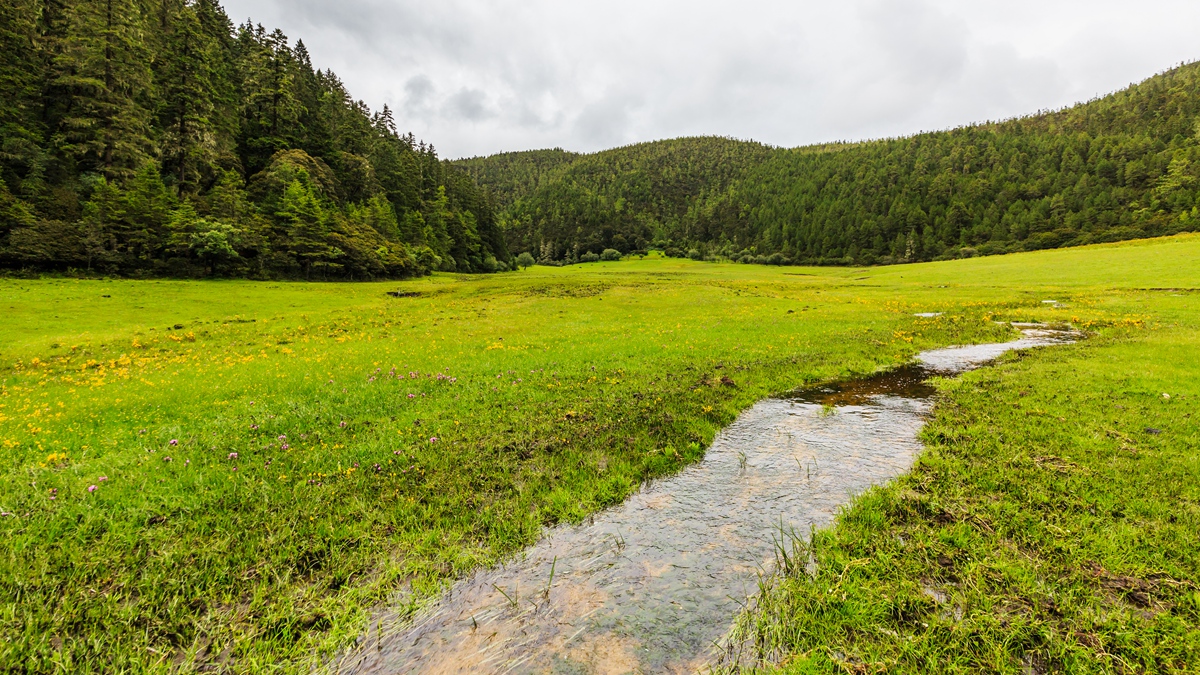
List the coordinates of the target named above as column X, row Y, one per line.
column 236, row 476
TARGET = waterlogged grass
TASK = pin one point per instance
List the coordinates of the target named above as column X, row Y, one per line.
column 1052, row 525
column 233, row 474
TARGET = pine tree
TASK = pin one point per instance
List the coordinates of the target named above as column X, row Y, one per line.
column 189, row 98
column 19, row 67
column 270, row 110
column 102, row 68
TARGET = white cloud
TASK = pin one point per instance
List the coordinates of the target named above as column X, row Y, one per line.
column 478, row 77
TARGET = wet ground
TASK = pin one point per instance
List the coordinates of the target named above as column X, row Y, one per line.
column 651, row 585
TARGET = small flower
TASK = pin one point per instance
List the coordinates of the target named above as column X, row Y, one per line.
column 395, row 452
column 174, row 441
column 143, row 431
column 233, row 455
column 101, row 479
column 254, row 427
column 342, row 425
column 412, row 395
column 91, row 488
column 285, row 446
column 251, row 402
column 283, row 437
column 433, row 439
column 166, row 459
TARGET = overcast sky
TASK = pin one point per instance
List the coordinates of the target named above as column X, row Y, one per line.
column 477, row 77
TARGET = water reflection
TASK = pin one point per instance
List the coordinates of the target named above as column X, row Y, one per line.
column 651, row 585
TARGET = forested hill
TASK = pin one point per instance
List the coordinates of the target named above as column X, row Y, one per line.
column 624, row 198
column 1120, row 167
column 152, row 137
column 511, row 176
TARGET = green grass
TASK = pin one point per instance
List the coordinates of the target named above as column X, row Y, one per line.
column 1052, row 524
column 560, row 391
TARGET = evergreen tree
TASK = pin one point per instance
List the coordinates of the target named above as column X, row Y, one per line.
column 102, row 68
column 189, row 100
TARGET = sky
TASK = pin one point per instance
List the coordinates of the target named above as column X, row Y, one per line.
column 477, row 77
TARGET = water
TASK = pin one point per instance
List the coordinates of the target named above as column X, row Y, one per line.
column 651, row 585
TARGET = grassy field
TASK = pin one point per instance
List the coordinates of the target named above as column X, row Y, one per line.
column 233, row 474
column 1052, row 525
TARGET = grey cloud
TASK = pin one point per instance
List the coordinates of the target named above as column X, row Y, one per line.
column 469, row 105
column 478, row 77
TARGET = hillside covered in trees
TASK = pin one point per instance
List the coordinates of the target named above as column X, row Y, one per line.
column 152, row 137
column 1121, row 167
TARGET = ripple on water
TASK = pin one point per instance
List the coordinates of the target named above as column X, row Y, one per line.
column 651, row 585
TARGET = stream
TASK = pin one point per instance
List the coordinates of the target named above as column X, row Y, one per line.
column 651, row 585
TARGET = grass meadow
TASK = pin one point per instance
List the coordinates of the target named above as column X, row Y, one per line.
column 233, row 474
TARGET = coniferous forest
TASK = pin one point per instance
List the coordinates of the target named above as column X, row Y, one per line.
column 152, row 137
column 155, row 138
column 1121, row 167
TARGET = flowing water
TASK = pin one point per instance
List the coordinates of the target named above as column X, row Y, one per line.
column 652, row 585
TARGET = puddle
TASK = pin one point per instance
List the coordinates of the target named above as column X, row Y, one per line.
column 652, row 585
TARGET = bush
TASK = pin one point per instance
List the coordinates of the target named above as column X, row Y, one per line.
column 525, row 261
column 695, row 254
column 610, row 254
column 589, row 257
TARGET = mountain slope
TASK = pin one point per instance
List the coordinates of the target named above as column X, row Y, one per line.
column 1120, row 167
column 152, row 137
column 623, row 198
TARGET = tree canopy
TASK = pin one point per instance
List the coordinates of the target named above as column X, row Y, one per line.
column 153, row 137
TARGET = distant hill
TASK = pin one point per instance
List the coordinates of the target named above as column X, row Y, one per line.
column 625, row 198
column 1120, row 167
column 513, row 175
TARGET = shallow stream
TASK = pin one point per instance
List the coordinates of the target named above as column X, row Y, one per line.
column 652, row 585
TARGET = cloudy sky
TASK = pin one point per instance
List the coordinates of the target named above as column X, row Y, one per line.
column 482, row 76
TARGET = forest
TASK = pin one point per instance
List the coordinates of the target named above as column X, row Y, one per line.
column 155, row 138
column 1119, row 167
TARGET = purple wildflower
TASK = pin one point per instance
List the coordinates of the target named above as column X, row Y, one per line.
column 233, row 455
column 433, row 439
column 101, row 479
column 174, row 441
column 91, row 488
column 285, row 446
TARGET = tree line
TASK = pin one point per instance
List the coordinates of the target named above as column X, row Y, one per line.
column 153, row 137
column 1124, row 166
